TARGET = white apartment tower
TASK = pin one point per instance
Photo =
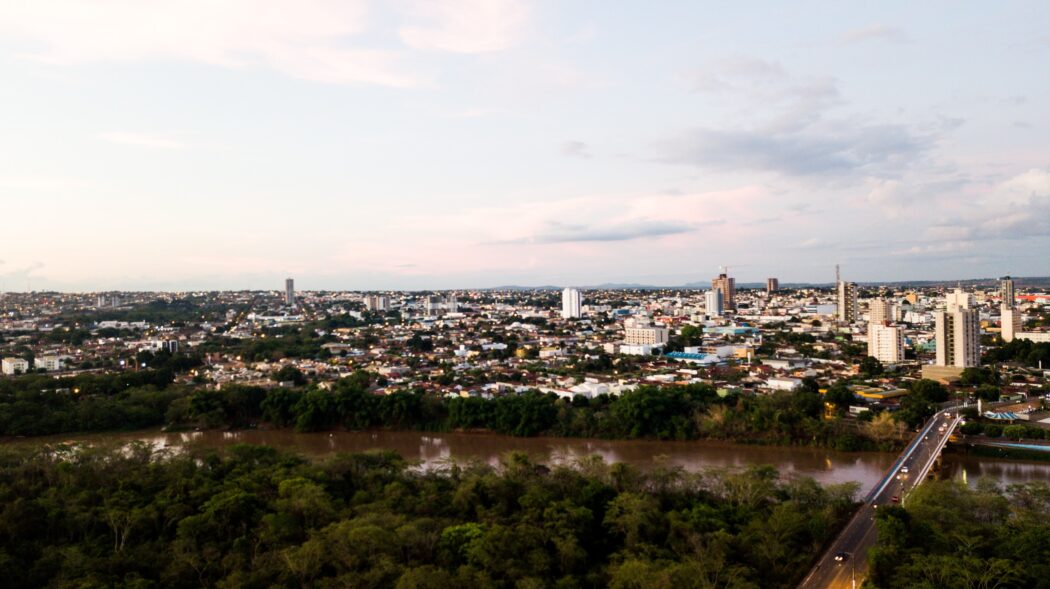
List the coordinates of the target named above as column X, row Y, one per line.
column 713, row 302
column 571, row 304
column 848, row 308
column 885, row 343
column 958, row 332
column 1010, row 323
column 958, row 299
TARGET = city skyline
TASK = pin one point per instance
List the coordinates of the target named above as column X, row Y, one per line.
column 445, row 145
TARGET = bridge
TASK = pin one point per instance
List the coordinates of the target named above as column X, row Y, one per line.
column 909, row 471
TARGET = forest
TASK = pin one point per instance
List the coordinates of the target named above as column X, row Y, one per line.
column 251, row 516
column 953, row 537
column 131, row 401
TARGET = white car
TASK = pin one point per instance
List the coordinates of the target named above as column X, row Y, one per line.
column 904, row 469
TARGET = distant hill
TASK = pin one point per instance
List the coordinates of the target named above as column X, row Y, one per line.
column 1021, row 282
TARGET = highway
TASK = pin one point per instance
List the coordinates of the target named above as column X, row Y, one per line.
column 910, row 469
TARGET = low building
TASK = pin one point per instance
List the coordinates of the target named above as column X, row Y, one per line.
column 49, row 363
column 649, row 335
column 784, row 384
column 14, row 366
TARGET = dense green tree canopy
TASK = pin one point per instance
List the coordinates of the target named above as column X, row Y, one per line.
column 253, row 517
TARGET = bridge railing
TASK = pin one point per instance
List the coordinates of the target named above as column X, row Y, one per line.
column 904, row 456
column 937, row 452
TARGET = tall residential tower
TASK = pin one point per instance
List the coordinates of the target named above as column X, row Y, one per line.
column 728, row 287
column 571, row 304
column 958, row 332
column 848, row 308
column 289, row 292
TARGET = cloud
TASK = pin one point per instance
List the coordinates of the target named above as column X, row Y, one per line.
column 558, row 232
column 465, row 26
column 825, row 148
column 575, row 149
column 142, row 139
column 877, row 32
column 1016, row 208
column 732, row 73
column 751, row 85
column 785, row 124
column 304, row 39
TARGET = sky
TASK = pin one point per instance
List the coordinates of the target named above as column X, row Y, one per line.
column 412, row 144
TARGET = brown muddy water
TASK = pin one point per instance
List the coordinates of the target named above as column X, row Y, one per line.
column 431, row 449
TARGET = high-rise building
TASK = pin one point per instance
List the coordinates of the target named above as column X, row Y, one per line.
column 1006, row 291
column 451, row 303
column 1010, row 323
column 571, row 304
column 713, row 302
column 882, row 311
column 772, row 285
column 958, row 333
column 728, row 287
column 289, row 292
column 958, row 299
column 885, row 343
column 430, row 304
column 848, row 308
column 377, row 303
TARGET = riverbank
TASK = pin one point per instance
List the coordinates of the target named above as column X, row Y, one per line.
column 435, row 448
column 1002, row 450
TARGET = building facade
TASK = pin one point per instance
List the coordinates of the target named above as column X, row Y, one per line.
column 886, row 343
column 713, row 303
column 958, row 334
column 882, row 311
column 728, row 287
column 645, row 336
column 1006, row 292
column 1010, row 323
column 14, row 366
column 289, row 292
column 377, row 303
column 848, row 308
column 571, row 304
column 958, row 299
column 772, row 285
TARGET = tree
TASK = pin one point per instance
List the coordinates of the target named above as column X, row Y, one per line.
column 290, row 374
column 930, row 390
column 870, row 367
column 1014, row 432
column 840, row 396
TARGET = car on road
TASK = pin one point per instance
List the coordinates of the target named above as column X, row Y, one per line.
column 841, row 556
column 904, row 469
column 895, row 499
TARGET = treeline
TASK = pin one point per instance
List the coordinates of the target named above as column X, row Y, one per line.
column 1022, row 351
column 666, row 413
column 951, row 536
column 135, row 400
column 37, row 404
column 253, row 517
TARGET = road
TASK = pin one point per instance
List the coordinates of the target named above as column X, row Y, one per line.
column 907, row 472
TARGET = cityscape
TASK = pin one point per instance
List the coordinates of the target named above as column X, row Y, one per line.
column 514, row 294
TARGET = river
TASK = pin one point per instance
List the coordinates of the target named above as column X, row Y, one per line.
column 826, row 466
